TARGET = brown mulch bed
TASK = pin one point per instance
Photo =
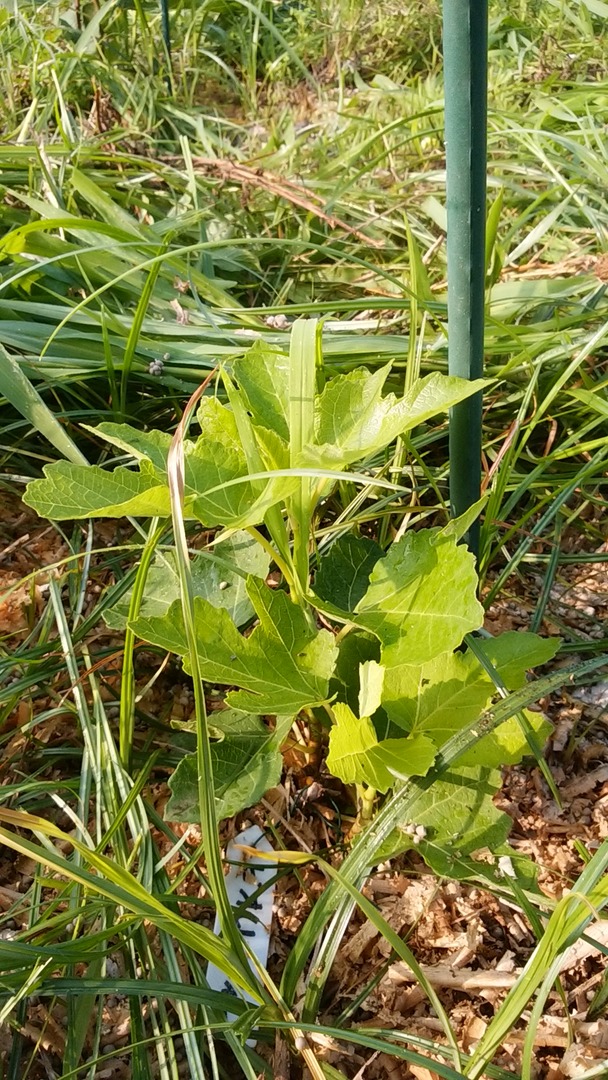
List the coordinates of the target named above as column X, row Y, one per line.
column 470, row 944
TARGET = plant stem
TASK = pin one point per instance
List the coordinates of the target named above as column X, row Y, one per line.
column 366, row 797
column 273, row 554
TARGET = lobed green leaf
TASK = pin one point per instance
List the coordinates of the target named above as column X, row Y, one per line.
column 421, row 598
column 82, row 491
column 283, row 666
column 357, row 757
column 219, row 575
column 343, row 575
column 246, row 763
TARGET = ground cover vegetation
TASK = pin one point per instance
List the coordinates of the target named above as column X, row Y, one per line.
column 223, row 361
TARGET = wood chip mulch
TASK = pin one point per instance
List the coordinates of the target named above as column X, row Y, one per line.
column 471, row 945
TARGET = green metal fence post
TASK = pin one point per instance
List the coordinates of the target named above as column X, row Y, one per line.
column 465, row 44
column 165, row 25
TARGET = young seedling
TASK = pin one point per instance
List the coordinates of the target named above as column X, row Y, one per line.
column 393, row 684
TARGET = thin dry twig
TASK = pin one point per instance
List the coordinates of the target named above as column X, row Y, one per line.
column 466, row 979
column 296, row 194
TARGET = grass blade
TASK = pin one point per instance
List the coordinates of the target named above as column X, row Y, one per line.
column 302, row 386
column 206, row 790
column 18, row 389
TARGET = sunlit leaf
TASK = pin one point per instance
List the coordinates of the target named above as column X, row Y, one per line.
column 246, row 763
column 263, row 378
column 458, row 812
column 153, row 445
column 449, row 692
column 353, row 420
column 371, row 679
column 356, row 757
column 215, row 577
column 282, row 667
column 81, row 491
column 421, row 598
column 217, row 457
column 515, row 652
column 507, row 744
column 439, row 697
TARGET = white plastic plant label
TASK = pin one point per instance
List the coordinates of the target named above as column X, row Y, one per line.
column 251, row 895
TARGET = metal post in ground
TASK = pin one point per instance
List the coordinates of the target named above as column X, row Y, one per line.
column 465, row 44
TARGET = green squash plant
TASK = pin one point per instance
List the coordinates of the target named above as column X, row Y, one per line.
column 369, row 640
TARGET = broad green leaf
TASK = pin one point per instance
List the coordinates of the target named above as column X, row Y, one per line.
column 371, row 678
column 350, row 412
column 246, row 763
column 447, row 693
column 241, row 421
column 217, row 422
column 214, row 459
column 263, row 378
column 446, row 862
column 421, row 598
column 354, row 649
column 356, row 757
column 507, row 744
column 238, row 505
column 343, row 574
column 450, row 691
column 516, row 652
column 217, row 458
column 153, row 445
column 434, row 394
column 354, row 420
column 273, row 449
column 257, row 460
column 458, row 812
column 350, row 740
column 439, row 697
column 282, row 667
column 460, row 818
column 458, row 527
column 215, row 576
column 81, row 491
column 396, row 759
